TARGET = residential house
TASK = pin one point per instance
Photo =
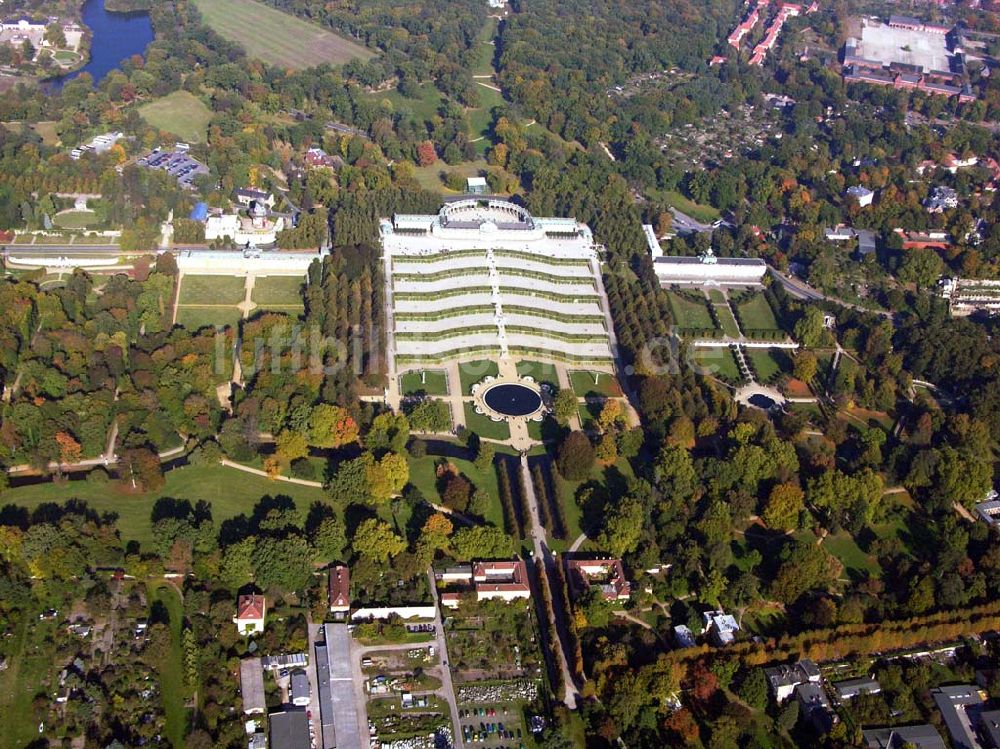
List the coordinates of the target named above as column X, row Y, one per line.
column 250, row 611
column 953, row 163
column 722, row 627
column 247, row 195
column 340, row 589
column 607, row 574
column 867, row 242
column 920, row 737
column 989, row 511
column 815, row 706
column 942, row 198
column 839, row 233
column 683, row 636
column 851, row 688
column 299, row 689
column 784, row 678
column 505, row 580
column 961, row 707
column 317, row 158
column 862, row 194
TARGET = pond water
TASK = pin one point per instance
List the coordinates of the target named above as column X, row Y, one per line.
column 116, row 37
column 512, row 400
column 761, row 401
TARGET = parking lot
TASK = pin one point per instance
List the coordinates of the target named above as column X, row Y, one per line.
column 175, row 163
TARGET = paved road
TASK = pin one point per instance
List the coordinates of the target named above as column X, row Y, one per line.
column 801, row 290
column 684, row 224
column 447, row 688
column 543, row 555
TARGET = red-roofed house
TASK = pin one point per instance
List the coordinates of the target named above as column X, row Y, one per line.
column 340, row 589
column 250, row 611
column 607, row 574
column 507, row 580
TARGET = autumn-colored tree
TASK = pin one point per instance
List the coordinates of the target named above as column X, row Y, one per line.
column 784, row 505
column 606, row 450
column 704, row 683
column 69, row 448
column 456, row 493
column 612, row 416
column 272, row 466
column 426, row 155
column 290, row 446
column 139, row 470
column 386, row 477
column 436, row 530
column 683, row 726
column 332, row 426
column 805, row 366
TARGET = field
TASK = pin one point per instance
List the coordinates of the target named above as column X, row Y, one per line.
column 540, row 371
column 484, row 426
column 421, row 108
column 211, row 290
column 172, row 670
column 194, row 318
column 704, row 213
column 423, row 477
column 727, row 320
column 756, row 314
column 481, row 117
column 690, row 314
column 429, row 177
column 278, row 38
column 29, row 660
column 472, row 372
column 230, row 492
column 180, row 113
column 719, row 362
column 584, row 385
column 767, row 363
column 74, row 219
column 435, row 382
column 283, row 293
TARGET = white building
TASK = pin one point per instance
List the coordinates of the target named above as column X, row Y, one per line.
column 709, row 268
column 255, row 230
column 250, row 612
column 477, row 186
column 784, row 678
column 298, row 688
column 507, row 581
column 862, row 194
column 485, row 277
column 722, row 627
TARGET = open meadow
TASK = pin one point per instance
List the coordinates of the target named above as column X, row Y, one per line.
column 180, row 113
column 278, row 38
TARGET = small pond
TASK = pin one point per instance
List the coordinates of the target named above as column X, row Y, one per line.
column 512, row 400
column 761, row 401
column 116, row 37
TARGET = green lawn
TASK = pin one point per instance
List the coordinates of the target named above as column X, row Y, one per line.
column 728, row 321
column 704, row 213
column 29, row 665
column 566, row 492
column 278, row 291
column 435, row 382
column 485, row 51
column 278, row 38
column 481, row 117
column 171, row 684
column 690, row 313
column 229, row 490
column 718, row 361
column 588, row 413
column 212, row 290
column 756, row 314
column 842, row 546
column 429, row 177
column 584, row 386
column 194, row 318
column 180, row 113
column 422, row 108
column 484, row 426
column 74, row 219
column 66, row 56
column 423, row 477
column 472, row 372
column 540, row 371
column 767, row 363
column 717, row 296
